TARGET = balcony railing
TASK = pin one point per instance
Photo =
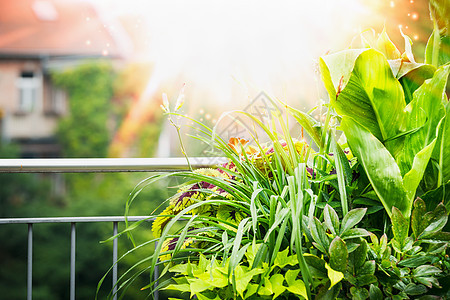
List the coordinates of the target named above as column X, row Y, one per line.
column 91, row 165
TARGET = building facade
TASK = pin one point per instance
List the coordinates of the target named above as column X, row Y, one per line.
column 38, row 37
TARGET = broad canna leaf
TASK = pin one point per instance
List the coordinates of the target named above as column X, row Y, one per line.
column 442, row 149
column 413, row 78
column 440, row 13
column 336, row 69
column 386, row 46
column 374, row 97
column 381, row 168
column 425, row 111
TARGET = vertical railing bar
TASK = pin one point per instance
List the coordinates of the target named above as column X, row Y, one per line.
column 114, row 273
column 72, row 260
column 30, row 263
column 156, row 275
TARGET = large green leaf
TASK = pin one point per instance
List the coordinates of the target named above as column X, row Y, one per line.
column 441, row 152
column 386, row 46
column 440, row 12
column 374, row 97
column 414, row 78
column 425, row 112
column 336, row 69
column 381, row 168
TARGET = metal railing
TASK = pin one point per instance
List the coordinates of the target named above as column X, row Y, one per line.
column 98, row 165
column 91, row 165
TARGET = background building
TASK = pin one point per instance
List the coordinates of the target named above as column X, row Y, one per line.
column 36, row 38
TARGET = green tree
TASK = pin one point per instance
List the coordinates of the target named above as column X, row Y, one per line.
column 84, row 132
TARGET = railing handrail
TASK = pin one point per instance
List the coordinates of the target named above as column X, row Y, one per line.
column 97, row 165
column 92, row 165
column 73, row 219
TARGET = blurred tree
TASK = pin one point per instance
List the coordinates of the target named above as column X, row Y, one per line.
column 85, row 132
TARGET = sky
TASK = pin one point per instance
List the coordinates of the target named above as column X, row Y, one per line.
column 230, row 50
column 225, row 53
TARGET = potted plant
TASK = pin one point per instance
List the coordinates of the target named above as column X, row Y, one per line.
column 313, row 216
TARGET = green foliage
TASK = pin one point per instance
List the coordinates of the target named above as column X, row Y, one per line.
column 375, row 116
column 208, row 279
column 84, row 132
column 324, row 208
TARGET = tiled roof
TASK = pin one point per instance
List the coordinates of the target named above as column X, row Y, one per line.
column 54, row 28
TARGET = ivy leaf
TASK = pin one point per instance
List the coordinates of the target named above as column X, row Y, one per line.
column 198, row 285
column 352, row 218
column 277, row 285
column 334, row 276
column 298, row 287
column 251, row 290
column 185, row 287
column 203, row 297
column 266, row 289
column 243, row 278
column 291, row 276
column 282, row 259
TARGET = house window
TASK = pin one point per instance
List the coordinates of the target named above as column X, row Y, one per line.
column 28, row 85
column 57, row 99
